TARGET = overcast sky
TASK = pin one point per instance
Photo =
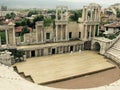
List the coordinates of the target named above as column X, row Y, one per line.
column 72, row 4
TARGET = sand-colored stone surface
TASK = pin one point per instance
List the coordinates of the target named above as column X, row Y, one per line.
column 89, row 81
column 50, row 68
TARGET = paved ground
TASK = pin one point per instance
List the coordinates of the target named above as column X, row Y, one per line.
column 50, row 68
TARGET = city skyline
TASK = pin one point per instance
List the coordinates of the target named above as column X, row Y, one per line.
column 51, row 4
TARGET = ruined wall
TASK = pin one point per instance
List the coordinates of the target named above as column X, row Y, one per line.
column 51, row 31
column 74, row 28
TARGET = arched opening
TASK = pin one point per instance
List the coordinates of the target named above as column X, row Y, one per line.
column 96, row 46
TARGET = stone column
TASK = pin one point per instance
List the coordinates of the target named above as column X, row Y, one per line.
column 82, row 29
column 36, row 53
column 56, row 14
column 30, row 37
column 66, row 29
column 0, row 41
column 85, row 33
column 6, row 33
column 78, row 47
column 42, row 36
column 83, row 13
column 95, row 15
column 56, row 33
column 36, row 34
column 86, row 16
column 66, row 13
column 39, row 52
column 90, row 32
column 73, row 48
column 26, row 54
column 91, row 15
column 98, row 31
column 61, row 13
column 30, row 54
column 94, row 27
column 61, row 32
column 57, row 49
column 14, row 41
column 99, row 14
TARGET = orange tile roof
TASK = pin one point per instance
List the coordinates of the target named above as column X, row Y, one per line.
column 115, row 24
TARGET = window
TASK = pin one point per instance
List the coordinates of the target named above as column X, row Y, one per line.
column 106, row 28
column 79, row 34
column 47, row 35
column 70, row 35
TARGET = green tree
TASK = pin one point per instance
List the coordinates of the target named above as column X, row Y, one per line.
column 47, row 22
column 76, row 15
column 53, row 17
column 12, row 14
column 18, row 54
column 33, row 12
column 24, row 30
column 118, row 13
column 38, row 18
column 7, row 16
column 24, row 22
column 17, row 23
column 51, row 11
column 3, row 37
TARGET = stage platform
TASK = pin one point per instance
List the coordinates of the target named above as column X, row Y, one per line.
column 53, row 68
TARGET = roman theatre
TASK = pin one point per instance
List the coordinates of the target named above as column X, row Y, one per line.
column 68, row 55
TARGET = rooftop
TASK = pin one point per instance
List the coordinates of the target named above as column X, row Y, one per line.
column 113, row 25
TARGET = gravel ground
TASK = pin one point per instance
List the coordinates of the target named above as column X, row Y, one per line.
column 94, row 80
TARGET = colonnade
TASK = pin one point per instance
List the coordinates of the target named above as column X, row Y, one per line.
column 49, row 50
column 91, row 13
column 62, row 21
column 90, row 21
column 90, row 31
column 9, row 35
column 62, row 31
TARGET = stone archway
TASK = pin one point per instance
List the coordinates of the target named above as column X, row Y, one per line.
column 100, row 44
column 96, row 46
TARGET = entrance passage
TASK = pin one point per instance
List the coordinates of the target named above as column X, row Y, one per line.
column 71, row 48
column 87, row 45
column 96, row 46
column 33, row 53
column 53, row 51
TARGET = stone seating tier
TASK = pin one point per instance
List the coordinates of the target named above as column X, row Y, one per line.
column 114, row 52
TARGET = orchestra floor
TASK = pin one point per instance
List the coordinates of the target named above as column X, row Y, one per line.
column 63, row 66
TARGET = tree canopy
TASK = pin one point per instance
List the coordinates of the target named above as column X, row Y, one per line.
column 75, row 15
column 24, row 30
column 32, row 12
column 118, row 13
column 47, row 22
column 10, row 16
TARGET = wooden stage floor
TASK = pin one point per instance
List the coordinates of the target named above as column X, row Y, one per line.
column 57, row 67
